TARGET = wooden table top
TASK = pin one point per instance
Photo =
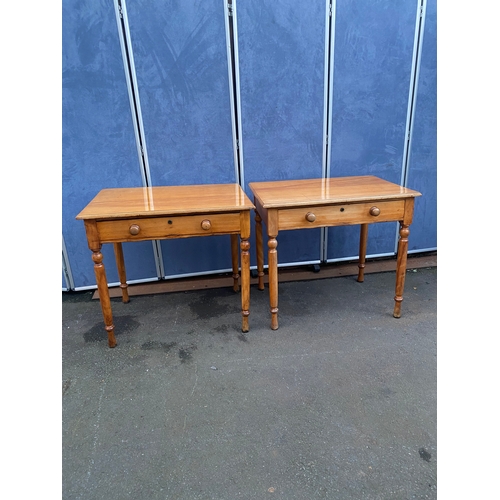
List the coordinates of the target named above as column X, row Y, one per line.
column 308, row 192
column 166, row 200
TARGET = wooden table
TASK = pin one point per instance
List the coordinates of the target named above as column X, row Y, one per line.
column 310, row 203
column 138, row 214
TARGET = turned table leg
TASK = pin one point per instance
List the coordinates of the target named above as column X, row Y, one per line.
column 120, row 264
column 234, row 259
column 245, row 269
column 245, row 284
column 363, row 238
column 102, row 286
column 273, row 280
column 404, row 232
column 260, row 254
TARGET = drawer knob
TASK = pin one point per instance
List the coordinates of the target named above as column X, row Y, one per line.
column 375, row 211
column 206, row 224
column 134, row 229
column 310, row 217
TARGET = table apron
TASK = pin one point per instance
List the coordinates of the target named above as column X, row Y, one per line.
column 157, row 228
column 340, row 214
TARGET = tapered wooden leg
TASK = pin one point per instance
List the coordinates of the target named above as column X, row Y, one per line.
column 273, row 281
column 404, row 232
column 102, row 286
column 245, row 284
column 363, row 238
column 260, row 251
column 234, row 258
column 120, row 264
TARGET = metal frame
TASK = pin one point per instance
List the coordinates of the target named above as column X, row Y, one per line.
column 412, row 98
column 115, row 284
column 68, row 276
column 135, row 108
column 355, row 257
column 200, row 273
column 412, row 94
column 133, row 95
column 330, row 16
column 234, row 72
column 238, row 96
column 422, row 250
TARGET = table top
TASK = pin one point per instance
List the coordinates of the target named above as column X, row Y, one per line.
column 308, row 192
column 166, row 200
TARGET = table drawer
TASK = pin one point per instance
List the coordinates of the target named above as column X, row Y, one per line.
column 340, row 215
column 157, row 228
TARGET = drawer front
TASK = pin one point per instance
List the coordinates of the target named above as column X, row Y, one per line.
column 341, row 215
column 157, row 228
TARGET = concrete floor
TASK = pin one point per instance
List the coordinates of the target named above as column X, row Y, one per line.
column 339, row 403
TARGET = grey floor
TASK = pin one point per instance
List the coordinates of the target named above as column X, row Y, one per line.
column 339, row 402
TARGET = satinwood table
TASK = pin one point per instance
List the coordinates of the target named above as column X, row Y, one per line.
column 156, row 213
column 309, row 203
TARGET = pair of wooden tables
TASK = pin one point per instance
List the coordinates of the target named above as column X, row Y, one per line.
column 137, row 214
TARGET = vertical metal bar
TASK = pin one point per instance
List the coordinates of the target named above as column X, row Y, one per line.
column 331, row 7
column 68, row 276
column 412, row 96
column 236, row 75
column 135, row 107
column 228, row 14
column 160, row 269
column 130, row 78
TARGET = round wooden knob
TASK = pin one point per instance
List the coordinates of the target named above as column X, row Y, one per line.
column 310, row 217
column 134, row 229
column 374, row 211
column 205, row 224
